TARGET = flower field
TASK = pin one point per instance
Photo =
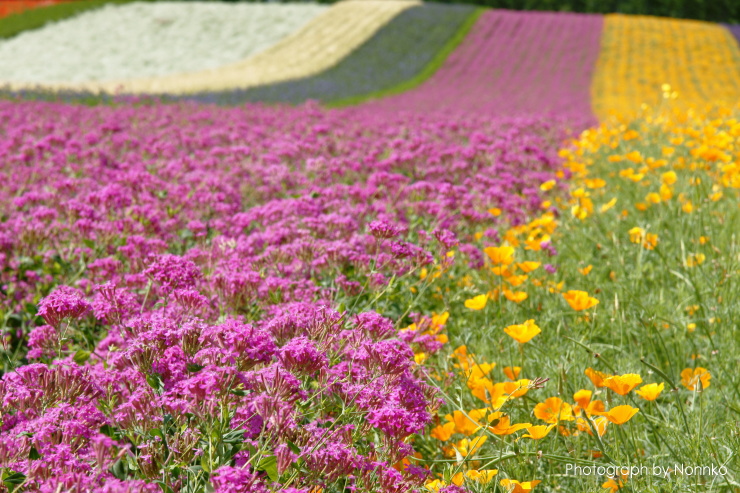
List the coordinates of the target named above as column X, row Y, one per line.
column 517, row 274
column 548, row 58
column 137, row 40
column 397, row 53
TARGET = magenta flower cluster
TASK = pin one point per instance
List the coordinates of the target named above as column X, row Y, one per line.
column 172, row 278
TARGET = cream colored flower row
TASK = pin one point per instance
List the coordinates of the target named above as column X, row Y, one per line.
column 319, row 45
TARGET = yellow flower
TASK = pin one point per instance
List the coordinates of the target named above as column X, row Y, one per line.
column 595, row 183
column 651, row 241
column 514, row 486
column 695, row 259
column 688, row 207
column 477, row 303
column 669, row 177
column 623, row 384
column 523, row 333
column 665, row 192
column 553, row 410
column 599, row 424
column 484, row 476
column 651, row 391
column 547, row 185
column 652, row 198
column 636, row 234
column 516, row 280
column 435, row 485
column 608, row 205
column 696, row 379
column 579, row 300
column 495, row 211
column 621, row 414
column 586, row 270
column 470, row 447
column 528, row 267
column 503, row 255
column 512, row 373
column 634, row 156
column 538, row 432
column 703, row 240
column 515, row 296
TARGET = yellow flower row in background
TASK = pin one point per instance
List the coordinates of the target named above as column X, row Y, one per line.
column 650, row 60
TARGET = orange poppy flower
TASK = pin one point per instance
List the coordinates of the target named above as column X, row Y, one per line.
column 580, row 300
column 651, row 391
column 503, row 255
column 582, row 397
column 538, row 432
column 596, row 377
column 515, row 296
column 621, row 414
column 523, row 333
column 553, row 410
column 691, row 379
column 477, row 303
column 512, row 373
column 623, row 384
column 514, row 486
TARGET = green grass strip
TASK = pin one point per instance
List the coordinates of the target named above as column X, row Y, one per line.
column 15, row 24
column 422, row 76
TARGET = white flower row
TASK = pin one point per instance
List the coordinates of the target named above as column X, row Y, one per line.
column 149, row 39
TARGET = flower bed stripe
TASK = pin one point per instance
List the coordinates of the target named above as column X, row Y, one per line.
column 35, row 18
column 149, row 40
column 397, row 53
column 10, row 7
column 700, row 61
column 734, row 30
column 514, row 63
column 319, row 45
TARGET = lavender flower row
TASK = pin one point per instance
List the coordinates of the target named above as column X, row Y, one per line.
column 515, row 63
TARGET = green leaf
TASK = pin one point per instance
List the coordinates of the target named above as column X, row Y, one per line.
column 294, row 448
column 81, row 356
column 12, row 478
column 204, row 463
column 119, row 470
column 33, row 454
column 268, row 464
column 108, row 431
column 155, row 381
